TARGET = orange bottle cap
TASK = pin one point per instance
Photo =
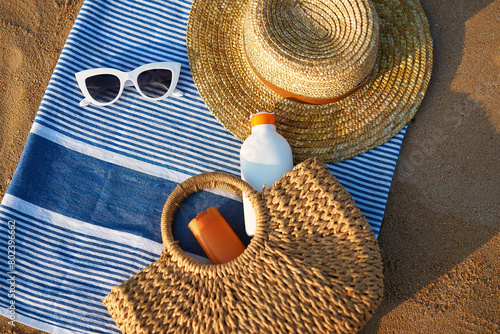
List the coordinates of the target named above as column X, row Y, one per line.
column 204, row 219
column 262, row 118
column 216, row 237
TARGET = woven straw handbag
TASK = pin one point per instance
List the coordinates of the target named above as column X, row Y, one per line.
column 313, row 266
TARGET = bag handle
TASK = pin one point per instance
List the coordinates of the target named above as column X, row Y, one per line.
column 205, row 181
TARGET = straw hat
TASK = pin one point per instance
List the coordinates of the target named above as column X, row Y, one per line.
column 341, row 76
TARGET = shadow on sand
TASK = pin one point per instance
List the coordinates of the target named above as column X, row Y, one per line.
column 443, row 202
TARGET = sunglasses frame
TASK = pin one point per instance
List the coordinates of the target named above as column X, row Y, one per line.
column 129, row 79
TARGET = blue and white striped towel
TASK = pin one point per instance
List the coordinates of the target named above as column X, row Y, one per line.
column 82, row 212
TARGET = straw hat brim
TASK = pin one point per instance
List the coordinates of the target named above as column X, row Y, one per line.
column 332, row 132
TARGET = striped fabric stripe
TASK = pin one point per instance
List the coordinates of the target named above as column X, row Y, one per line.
column 66, row 264
column 65, row 267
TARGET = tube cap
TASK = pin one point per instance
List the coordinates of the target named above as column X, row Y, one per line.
column 216, row 237
column 262, row 118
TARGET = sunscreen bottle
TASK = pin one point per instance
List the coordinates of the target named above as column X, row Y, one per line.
column 265, row 157
column 216, row 237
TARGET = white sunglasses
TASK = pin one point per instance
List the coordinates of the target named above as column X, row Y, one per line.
column 103, row 86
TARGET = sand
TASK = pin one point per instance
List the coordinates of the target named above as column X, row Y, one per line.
column 440, row 238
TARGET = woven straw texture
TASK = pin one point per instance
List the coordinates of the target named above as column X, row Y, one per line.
column 326, row 54
column 313, row 266
column 335, row 131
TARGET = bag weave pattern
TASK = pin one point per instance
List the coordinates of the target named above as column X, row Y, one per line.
column 313, row 266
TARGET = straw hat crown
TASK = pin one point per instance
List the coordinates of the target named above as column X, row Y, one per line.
column 312, row 48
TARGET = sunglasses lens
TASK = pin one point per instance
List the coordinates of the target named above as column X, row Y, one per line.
column 155, row 83
column 103, row 87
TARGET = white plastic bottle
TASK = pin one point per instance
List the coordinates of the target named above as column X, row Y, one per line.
column 265, row 157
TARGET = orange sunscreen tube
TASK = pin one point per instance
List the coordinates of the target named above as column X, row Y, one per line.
column 216, row 237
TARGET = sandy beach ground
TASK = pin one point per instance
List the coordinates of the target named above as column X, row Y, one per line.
column 440, row 237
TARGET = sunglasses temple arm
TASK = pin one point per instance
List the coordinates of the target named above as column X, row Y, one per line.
column 177, row 93
column 84, row 103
